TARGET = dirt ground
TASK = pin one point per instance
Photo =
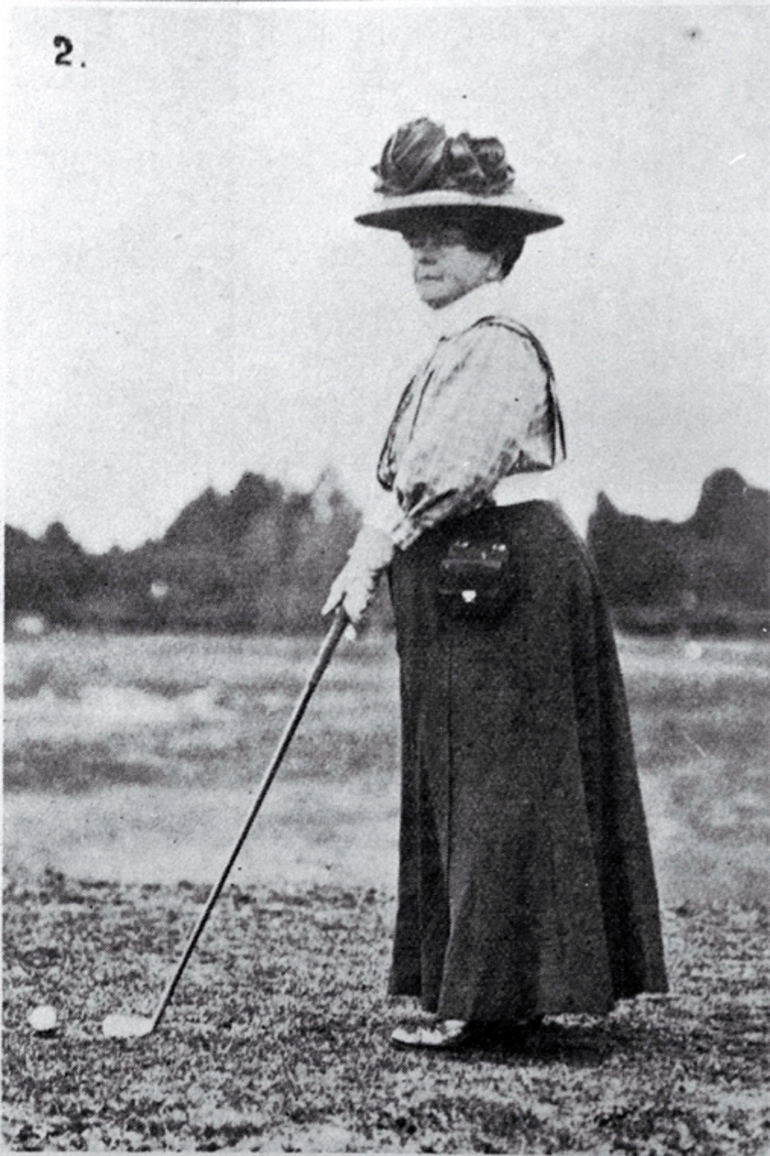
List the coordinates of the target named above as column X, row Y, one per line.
column 277, row 1039
column 129, row 766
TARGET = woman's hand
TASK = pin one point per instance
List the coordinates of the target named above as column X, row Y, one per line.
column 356, row 583
column 354, row 589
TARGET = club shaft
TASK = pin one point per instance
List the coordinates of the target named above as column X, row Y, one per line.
column 322, row 661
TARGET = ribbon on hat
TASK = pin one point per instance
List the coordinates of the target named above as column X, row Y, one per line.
column 421, row 156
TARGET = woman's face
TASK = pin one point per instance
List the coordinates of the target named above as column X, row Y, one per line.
column 443, row 266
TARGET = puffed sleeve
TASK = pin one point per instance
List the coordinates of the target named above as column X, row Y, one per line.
column 487, row 411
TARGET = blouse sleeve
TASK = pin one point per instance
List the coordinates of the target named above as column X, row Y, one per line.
column 487, row 411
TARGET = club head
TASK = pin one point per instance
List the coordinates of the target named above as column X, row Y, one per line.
column 119, row 1027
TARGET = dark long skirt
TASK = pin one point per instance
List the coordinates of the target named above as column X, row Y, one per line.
column 526, row 884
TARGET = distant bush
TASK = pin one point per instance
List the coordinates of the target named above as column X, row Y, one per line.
column 258, row 558
column 708, row 574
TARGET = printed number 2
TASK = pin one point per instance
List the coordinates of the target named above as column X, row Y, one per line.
column 66, row 47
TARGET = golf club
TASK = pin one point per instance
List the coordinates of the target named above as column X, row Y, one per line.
column 127, row 1026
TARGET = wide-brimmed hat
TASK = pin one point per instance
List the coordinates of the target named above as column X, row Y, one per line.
column 423, row 172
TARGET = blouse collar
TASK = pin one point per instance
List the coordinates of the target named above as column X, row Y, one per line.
column 488, row 300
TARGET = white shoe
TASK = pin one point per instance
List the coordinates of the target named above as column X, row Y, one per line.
column 443, row 1034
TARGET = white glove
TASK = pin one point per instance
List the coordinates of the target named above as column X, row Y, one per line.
column 357, row 581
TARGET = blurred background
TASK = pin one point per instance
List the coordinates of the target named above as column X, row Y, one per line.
column 204, row 352
column 190, row 299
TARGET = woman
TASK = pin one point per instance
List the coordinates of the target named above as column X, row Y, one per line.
column 526, row 885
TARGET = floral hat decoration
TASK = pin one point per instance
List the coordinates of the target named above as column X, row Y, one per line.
column 424, row 170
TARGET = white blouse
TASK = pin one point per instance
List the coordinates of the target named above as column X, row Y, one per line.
column 479, row 414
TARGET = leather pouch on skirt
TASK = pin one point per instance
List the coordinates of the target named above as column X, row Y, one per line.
column 474, row 579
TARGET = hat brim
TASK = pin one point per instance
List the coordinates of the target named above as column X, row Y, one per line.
column 521, row 215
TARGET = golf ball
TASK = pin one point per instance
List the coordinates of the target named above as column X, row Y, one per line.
column 42, row 1018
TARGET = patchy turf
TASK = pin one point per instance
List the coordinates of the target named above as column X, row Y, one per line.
column 122, row 752
column 278, row 1037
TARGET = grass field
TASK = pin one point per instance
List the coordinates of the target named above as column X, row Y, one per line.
column 132, row 759
column 129, row 766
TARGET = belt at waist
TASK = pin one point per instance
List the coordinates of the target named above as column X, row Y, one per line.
column 539, row 486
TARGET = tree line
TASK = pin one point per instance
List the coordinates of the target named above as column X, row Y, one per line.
column 261, row 558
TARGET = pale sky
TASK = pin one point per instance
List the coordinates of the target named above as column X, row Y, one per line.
column 189, row 296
